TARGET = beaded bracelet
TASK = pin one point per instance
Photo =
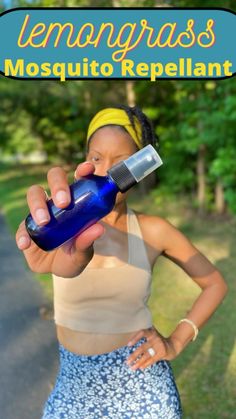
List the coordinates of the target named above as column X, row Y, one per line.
column 195, row 328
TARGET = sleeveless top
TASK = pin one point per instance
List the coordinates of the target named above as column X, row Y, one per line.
column 108, row 300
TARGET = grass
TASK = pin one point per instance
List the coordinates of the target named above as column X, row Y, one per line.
column 206, row 370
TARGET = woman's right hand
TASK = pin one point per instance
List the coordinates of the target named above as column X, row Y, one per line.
column 71, row 258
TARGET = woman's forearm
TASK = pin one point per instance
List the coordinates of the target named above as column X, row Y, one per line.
column 202, row 309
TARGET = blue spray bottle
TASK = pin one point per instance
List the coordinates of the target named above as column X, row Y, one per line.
column 92, row 197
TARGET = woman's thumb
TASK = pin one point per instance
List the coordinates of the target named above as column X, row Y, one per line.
column 87, row 238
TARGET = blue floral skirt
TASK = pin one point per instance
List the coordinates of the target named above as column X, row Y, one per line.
column 104, row 387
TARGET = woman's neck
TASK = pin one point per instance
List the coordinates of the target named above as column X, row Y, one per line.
column 115, row 216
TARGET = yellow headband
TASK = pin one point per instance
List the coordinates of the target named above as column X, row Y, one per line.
column 115, row 116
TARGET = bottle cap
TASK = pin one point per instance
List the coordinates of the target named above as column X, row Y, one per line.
column 130, row 171
column 143, row 162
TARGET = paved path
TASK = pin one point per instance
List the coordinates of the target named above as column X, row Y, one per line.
column 28, row 346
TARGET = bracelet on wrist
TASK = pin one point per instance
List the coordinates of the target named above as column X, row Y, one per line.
column 195, row 328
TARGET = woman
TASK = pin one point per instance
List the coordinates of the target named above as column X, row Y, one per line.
column 113, row 361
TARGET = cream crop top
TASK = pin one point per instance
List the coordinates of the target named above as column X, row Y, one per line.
column 108, row 300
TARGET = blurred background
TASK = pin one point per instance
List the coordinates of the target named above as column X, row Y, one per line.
column 43, row 123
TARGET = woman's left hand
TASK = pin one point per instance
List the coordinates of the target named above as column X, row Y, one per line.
column 164, row 349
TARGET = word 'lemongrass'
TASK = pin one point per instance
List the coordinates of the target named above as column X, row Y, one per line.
column 124, row 38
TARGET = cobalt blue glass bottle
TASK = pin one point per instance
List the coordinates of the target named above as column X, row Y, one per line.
column 92, row 197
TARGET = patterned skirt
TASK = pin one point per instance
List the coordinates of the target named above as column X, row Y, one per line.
column 104, row 387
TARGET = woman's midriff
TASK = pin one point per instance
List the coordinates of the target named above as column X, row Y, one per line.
column 83, row 343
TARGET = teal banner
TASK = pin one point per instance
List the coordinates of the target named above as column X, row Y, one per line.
column 122, row 43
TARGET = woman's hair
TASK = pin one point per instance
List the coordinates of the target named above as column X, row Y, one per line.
column 148, row 134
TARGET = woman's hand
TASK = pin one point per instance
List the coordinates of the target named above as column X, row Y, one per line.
column 71, row 258
column 164, row 349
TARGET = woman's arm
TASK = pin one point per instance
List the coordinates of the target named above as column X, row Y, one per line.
column 178, row 248
column 161, row 237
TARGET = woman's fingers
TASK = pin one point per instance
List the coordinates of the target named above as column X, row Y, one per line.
column 141, row 358
column 36, row 200
column 60, row 194
column 59, row 187
column 23, row 240
column 81, row 247
column 84, row 169
column 87, row 238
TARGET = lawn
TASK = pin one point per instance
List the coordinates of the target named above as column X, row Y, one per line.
column 206, row 371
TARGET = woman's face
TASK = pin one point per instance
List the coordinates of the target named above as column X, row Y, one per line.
column 108, row 146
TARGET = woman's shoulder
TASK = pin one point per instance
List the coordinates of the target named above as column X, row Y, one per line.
column 154, row 229
column 162, row 235
column 160, row 232
column 149, row 222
